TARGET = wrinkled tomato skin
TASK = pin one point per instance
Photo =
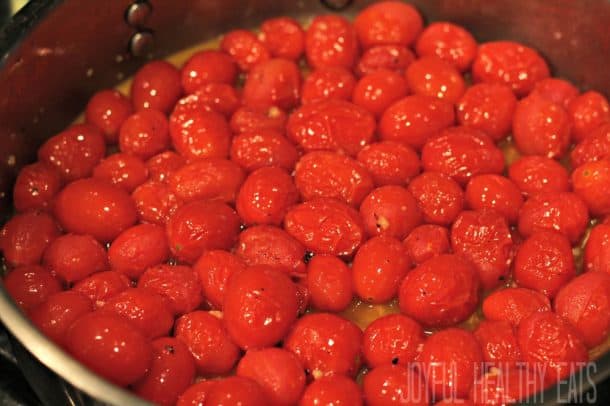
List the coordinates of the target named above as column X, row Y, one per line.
column 395, row 58
column 588, row 111
column 208, row 66
column 390, row 163
column 390, row 339
column 329, row 283
column 335, row 83
column 426, row 241
column 155, row 202
column 331, row 41
column 179, row 284
column 450, row 42
column 594, row 147
column 591, row 182
column 537, row 174
column 122, row 170
column 73, row 257
column 283, row 37
column 264, row 148
column 212, row 97
column 107, row 110
column 434, row 77
column 514, row 304
column 276, row 82
column 247, row 51
column 138, row 248
column 26, row 236
column 596, row 255
column 378, row 90
column 498, row 342
column 335, row 390
column 200, row 134
column 439, row 197
column 394, row 385
column 214, row 269
column 30, row 285
column 156, row 86
column 494, row 192
column 102, row 286
column 252, row 119
column 388, row 23
column 36, row 186
column 161, row 166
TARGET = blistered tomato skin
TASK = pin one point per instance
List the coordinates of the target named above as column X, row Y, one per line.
column 326, row 344
column 30, row 285
column 329, row 283
column 278, row 372
column 390, row 163
column 272, row 247
column 92, row 206
column 544, row 262
column 484, row 238
column 259, row 149
column 199, row 226
column 426, row 241
column 122, row 170
column 378, row 268
column 594, row 147
column 563, row 212
column 330, row 41
column 75, row 151
column 156, row 86
column 537, row 174
column 217, row 97
column 245, row 48
column 488, row 107
column 548, row 341
column 179, row 284
column 73, row 257
column 431, row 76
column 206, row 338
column 260, row 306
column 110, row 346
column 591, row 182
column 200, row 134
column 329, row 174
column 414, row 119
column 214, row 269
column 275, row 82
column 331, row 125
column 392, row 339
column 588, row 111
column 450, row 42
column 55, row 315
column 388, row 23
column 452, row 361
column 144, row 134
column 25, row 237
column 510, row 63
column 498, row 342
column 155, row 202
column 440, row 292
column 326, row 226
column 395, row 58
column 335, row 390
column 36, row 186
column 439, row 197
column 171, row 372
column 558, row 91
column 102, row 286
column 514, row 304
column 378, row 90
column 138, row 248
column 209, row 66
column 252, row 119
column 207, row 179
column 494, row 192
column 283, row 37
column 394, row 385
column 107, row 110
column 328, row 83
column 236, row 391
column 596, row 255
column 585, row 303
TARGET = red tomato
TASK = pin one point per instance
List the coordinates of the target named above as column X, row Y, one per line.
column 251, row 119
column 207, row 66
column 122, row 170
column 594, row 147
column 95, row 207
column 331, row 40
column 236, row 391
column 448, row 41
column 378, row 268
column 442, row 291
column 156, row 86
column 73, row 257
column 510, row 63
column 146, row 310
column 505, row 387
column 102, row 286
column 35, row 187
column 390, row 163
column 414, row 119
column 329, row 283
column 245, row 48
column 587, row 112
column 163, row 165
column 258, row 149
column 26, row 236
column 585, row 303
column 155, row 202
column 325, row 226
column 111, row 346
column 591, row 181
column 283, row 37
column 196, row 394
column 200, row 226
column 494, row 192
column 596, row 256
column 329, row 174
column 550, row 343
column 498, row 340
column 210, row 178
column 208, row 341
column 488, row 107
column 144, row 134
column 333, row 125
column 214, row 269
column 200, row 134
column 544, row 262
column 389, row 385
column 216, row 97
column 278, row 372
column 558, row 91
column 388, row 22
column 462, row 152
column 107, row 110
column 426, row 241
column 260, row 306
column 179, row 284
column 483, row 237
column 55, row 315
column 391, row 57
column 138, row 248
column 537, row 174
column 564, row 212
column 335, row 83
column 335, row 390
column 434, row 77
column 75, row 151
column 30, row 285
column 514, row 304
column 392, row 339
column 378, row 90
column 391, row 211
column 439, row 197
column 276, row 82
column 452, row 361
column 171, row 372
column 326, row 344
column 272, row 247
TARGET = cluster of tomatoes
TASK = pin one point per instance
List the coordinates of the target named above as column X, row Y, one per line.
column 208, row 258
